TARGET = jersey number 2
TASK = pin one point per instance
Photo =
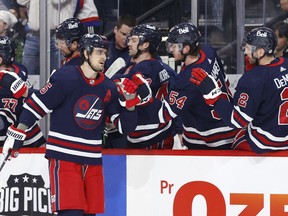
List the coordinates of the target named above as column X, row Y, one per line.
column 283, row 108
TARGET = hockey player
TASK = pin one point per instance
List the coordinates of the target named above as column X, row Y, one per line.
column 11, row 103
column 143, row 42
column 68, row 34
column 202, row 127
column 79, row 98
column 117, row 47
column 261, row 98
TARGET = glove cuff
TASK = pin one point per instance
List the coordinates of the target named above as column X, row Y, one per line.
column 18, row 88
column 16, row 133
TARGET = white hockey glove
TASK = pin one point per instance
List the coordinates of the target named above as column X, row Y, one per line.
column 11, row 81
column 13, row 142
column 207, row 84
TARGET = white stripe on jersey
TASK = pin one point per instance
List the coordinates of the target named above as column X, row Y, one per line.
column 147, row 127
column 260, row 145
column 32, row 111
column 2, row 138
column 213, row 144
column 75, row 139
column 73, row 152
column 171, row 113
column 208, row 132
column 150, row 136
column 244, row 115
column 42, row 105
column 33, row 139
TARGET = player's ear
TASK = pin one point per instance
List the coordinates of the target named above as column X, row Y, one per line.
column 115, row 29
column 186, row 49
column 74, row 45
column 85, row 52
column 1, row 60
column 261, row 52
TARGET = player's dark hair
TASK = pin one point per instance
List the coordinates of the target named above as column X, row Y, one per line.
column 126, row 19
column 282, row 28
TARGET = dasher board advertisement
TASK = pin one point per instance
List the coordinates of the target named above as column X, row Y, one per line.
column 161, row 183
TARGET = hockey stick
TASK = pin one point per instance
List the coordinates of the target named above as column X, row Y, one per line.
column 114, row 67
column 5, row 159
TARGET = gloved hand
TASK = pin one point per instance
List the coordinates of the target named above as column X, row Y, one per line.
column 11, row 81
column 207, row 84
column 13, row 142
column 127, row 91
column 144, row 92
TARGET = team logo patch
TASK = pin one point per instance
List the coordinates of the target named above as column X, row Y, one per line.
column 88, row 112
column 25, row 194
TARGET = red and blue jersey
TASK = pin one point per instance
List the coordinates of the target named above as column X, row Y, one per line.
column 10, row 110
column 202, row 126
column 260, row 106
column 148, row 131
column 78, row 108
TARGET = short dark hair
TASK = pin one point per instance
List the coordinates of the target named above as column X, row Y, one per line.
column 282, row 28
column 126, row 19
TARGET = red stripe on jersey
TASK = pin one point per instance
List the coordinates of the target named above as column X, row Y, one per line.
column 35, row 130
column 35, row 107
column 147, row 131
column 212, row 137
column 266, row 141
column 76, row 146
column 239, row 119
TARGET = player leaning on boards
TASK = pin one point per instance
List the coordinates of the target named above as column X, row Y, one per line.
column 11, row 102
column 67, row 36
column 202, row 127
column 261, row 98
column 78, row 99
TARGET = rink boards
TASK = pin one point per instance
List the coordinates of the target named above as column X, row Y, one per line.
column 153, row 183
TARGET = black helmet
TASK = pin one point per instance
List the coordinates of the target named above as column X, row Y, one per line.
column 90, row 41
column 261, row 37
column 7, row 50
column 147, row 33
column 70, row 30
column 186, row 34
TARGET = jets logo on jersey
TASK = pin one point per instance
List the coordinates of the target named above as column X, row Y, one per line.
column 88, row 112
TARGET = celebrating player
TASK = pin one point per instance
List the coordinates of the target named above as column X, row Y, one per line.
column 202, row 127
column 68, row 34
column 261, row 97
column 79, row 99
column 11, row 101
column 143, row 42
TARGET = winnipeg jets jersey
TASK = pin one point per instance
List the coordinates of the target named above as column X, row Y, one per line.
column 202, row 126
column 147, row 131
column 10, row 110
column 78, row 108
column 261, row 106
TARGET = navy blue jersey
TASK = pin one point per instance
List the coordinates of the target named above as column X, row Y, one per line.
column 72, row 61
column 261, row 106
column 202, row 126
column 10, row 110
column 78, row 109
column 115, row 54
column 159, row 79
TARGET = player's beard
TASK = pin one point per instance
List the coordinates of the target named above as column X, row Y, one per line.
column 68, row 55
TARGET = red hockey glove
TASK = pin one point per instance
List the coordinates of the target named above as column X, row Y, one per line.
column 14, row 141
column 127, row 91
column 11, row 81
column 144, row 91
column 207, row 84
